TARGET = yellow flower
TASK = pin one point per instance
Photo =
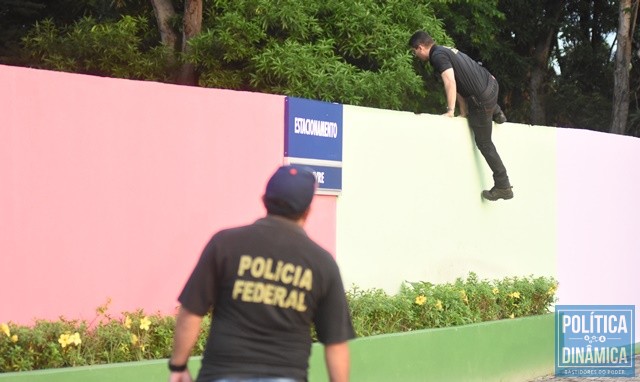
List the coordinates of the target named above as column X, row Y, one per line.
column 69, row 339
column 420, row 300
column 512, row 315
column 64, row 340
column 495, row 290
column 14, row 338
column 5, row 329
column 127, row 322
column 123, row 348
column 144, row 323
column 463, row 296
column 551, row 290
column 134, row 339
column 438, row 305
column 75, row 339
column 514, row 295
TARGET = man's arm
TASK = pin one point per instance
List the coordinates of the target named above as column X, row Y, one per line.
column 184, row 338
column 337, row 359
column 449, row 79
column 462, row 103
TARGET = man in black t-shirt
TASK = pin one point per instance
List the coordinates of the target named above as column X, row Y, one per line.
column 267, row 283
column 476, row 91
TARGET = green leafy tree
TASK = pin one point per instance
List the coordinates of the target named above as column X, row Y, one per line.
column 112, row 48
column 18, row 16
column 552, row 58
column 478, row 28
column 505, row 37
column 628, row 13
column 350, row 52
column 529, row 31
column 633, row 126
column 581, row 92
column 13, row 16
column 177, row 39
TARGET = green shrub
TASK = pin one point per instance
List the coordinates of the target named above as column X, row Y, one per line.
column 135, row 336
column 422, row 305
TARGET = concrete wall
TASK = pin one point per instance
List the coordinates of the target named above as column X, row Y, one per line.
column 411, row 207
column 111, row 188
column 598, row 198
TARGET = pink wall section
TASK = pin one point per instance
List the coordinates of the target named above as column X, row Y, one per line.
column 110, row 188
column 598, row 210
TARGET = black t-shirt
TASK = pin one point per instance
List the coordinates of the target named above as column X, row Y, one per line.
column 471, row 78
column 267, row 283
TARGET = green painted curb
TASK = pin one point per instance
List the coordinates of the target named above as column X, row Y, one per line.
column 507, row 350
column 155, row 370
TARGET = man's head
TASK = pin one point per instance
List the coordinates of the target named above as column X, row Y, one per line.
column 421, row 43
column 289, row 192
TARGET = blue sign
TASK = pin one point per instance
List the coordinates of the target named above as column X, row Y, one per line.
column 595, row 340
column 313, row 129
column 313, row 137
column 329, row 178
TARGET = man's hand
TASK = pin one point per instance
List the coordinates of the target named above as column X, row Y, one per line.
column 183, row 376
column 185, row 336
column 449, row 81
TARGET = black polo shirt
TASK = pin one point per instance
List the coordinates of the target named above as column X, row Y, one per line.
column 471, row 78
column 267, row 283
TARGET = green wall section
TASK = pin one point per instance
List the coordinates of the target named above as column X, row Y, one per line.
column 506, row 350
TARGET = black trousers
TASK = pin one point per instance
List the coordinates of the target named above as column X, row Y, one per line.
column 480, row 118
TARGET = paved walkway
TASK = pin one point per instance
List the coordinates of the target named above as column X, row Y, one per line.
column 585, row 379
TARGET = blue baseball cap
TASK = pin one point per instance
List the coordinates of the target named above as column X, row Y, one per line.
column 290, row 190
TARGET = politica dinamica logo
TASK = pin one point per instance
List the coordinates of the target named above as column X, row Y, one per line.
column 595, row 340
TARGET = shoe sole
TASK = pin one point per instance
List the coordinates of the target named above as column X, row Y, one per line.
column 498, row 198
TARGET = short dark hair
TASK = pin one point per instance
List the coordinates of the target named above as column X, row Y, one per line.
column 279, row 207
column 420, row 38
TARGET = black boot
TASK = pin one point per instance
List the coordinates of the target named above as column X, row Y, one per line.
column 496, row 193
column 499, row 117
